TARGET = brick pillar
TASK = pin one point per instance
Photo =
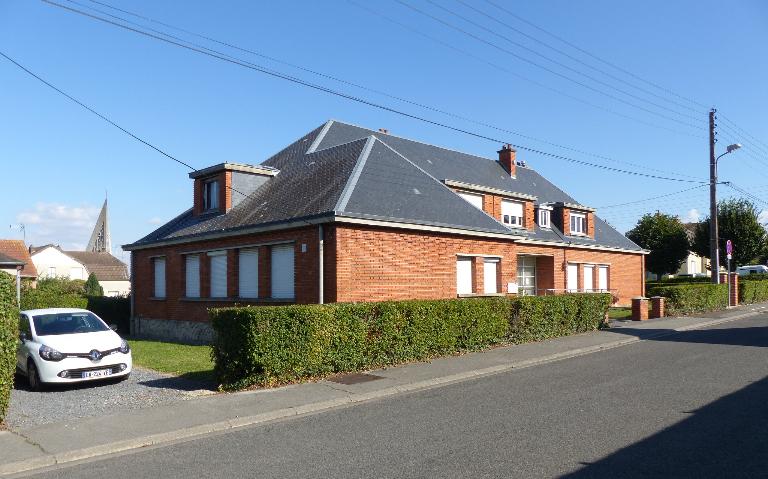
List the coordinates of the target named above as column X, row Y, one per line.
column 657, row 307
column 734, row 299
column 639, row 309
column 477, row 272
column 723, row 277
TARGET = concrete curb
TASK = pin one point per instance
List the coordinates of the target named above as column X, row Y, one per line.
column 199, row 431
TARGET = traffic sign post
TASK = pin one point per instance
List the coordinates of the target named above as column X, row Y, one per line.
column 729, row 255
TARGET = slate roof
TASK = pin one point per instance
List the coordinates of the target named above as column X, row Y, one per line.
column 345, row 170
column 17, row 250
column 105, row 266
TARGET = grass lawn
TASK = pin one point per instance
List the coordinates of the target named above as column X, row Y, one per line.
column 190, row 362
column 619, row 313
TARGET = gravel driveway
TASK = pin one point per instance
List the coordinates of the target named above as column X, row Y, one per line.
column 144, row 388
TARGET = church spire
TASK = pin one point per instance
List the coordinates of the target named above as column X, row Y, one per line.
column 101, row 241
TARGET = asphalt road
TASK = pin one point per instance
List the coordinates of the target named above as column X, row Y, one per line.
column 690, row 405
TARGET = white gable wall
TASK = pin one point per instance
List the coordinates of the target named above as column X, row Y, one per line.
column 66, row 266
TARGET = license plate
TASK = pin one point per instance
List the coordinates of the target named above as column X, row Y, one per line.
column 97, row 374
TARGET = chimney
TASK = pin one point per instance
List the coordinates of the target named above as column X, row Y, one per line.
column 384, row 130
column 507, row 159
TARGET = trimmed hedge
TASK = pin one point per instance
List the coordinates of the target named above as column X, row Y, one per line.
column 753, row 291
column 113, row 310
column 685, row 299
column 268, row 345
column 9, row 336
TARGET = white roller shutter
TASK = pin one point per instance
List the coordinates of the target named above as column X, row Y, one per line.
column 159, row 264
column 282, row 272
column 589, row 277
column 474, row 200
column 464, row 276
column 248, row 273
column 490, row 277
column 602, row 278
column 192, row 276
column 573, row 278
column 218, row 274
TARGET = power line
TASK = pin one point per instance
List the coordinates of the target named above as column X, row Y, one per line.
column 765, row 145
column 746, row 193
column 518, row 75
column 651, row 198
column 538, row 65
column 605, row 62
column 356, row 85
column 368, row 102
column 556, row 62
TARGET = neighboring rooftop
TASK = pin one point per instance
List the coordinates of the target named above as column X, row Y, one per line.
column 17, row 250
column 105, row 266
column 348, row 171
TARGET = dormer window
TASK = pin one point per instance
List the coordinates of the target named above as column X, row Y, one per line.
column 578, row 224
column 211, row 195
column 543, row 218
column 512, row 214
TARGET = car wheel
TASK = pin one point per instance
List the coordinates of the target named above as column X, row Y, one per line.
column 33, row 377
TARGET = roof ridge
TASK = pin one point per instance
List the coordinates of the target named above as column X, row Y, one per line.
column 319, row 138
column 349, row 187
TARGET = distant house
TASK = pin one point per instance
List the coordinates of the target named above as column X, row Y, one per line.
column 348, row 214
column 694, row 264
column 51, row 261
column 14, row 252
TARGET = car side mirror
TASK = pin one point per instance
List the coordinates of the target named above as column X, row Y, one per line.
column 23, row 337
column 113, row 327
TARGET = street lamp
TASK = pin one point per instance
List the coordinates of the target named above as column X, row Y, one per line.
column 714, row 248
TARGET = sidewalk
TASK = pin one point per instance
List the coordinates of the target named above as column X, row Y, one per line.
column 35, row 447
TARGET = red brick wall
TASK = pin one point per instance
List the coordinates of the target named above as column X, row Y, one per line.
column 529, row 218
column 591, row 225
column 225, row 191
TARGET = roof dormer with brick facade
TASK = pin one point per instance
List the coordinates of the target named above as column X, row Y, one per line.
column 221, row 187
column 575, row 220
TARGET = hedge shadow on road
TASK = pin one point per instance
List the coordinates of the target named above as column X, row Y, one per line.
column 756, row 337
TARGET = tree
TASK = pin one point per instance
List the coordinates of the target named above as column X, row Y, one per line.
column 737, row 221
column 92, row 286
column 666, row 238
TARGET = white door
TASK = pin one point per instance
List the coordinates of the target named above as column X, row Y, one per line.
column 573, row 278
column 282, row 272
column 464, row 276
column 490, row 276
column 602, row 278
column 526, row 275
column 589, row 275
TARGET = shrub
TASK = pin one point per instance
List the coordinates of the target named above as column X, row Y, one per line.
column 9, row 335
column 753, row 291
column 274, row 344
column 692, row 298
column 54, row 293
column 113, row 310
column 92, row 286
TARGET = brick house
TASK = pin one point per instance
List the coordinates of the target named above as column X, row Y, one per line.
column 350, row 214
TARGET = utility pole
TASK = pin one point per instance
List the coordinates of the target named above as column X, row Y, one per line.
column 714, row 250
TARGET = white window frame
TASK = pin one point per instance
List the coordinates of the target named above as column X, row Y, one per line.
column 508, row 216
column 569, row 286
column 52, row 271
column 603, row 286
column 462, row 275
column 472, row 198
column 218, row 269
column 544, row 218
column 158, row 268
column 211, row 195
column 248, row 273
column 192, row 276
column 491, row 282
column 578, row 223
column 525, row 266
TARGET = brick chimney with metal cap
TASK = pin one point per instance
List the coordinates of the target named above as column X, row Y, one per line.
column 507, row 159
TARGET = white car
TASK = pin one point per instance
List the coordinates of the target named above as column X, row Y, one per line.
column 59, row 345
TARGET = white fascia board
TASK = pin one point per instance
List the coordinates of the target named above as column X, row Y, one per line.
column 580, row 246
column 488, row 189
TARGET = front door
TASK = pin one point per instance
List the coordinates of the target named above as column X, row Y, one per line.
column 526, row 275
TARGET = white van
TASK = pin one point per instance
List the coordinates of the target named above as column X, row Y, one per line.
column 752, row 269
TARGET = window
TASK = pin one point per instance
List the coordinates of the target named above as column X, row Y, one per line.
column 572, row 279
column 578, row 224
column 602, row 278
column 544, row 218
column 75, row 273
column 526, row 275
column 159, row 267
column 248, row 273
column 589, row 277
column 474, row 200
column 24, row 327
column 512, row 213
column 490, row 276
column 192, row 276
column 211, row 195
column 464, row 275
column 52, row 272
column 218, row 274
column 282, row 272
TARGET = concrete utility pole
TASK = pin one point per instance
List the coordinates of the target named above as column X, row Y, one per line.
column 714, row 251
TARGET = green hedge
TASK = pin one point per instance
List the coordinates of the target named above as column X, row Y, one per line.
column 274, row 344
column 54, row 293
column 685, row 299
column 753, row 291
column 9, row 335
column 113, row 310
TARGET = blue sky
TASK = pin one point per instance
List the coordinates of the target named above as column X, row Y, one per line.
column 60, row 159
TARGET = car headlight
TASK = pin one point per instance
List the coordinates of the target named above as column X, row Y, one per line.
column 50, row 354
column 124, row 348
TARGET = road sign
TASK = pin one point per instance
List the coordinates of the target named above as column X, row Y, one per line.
column 729, row 247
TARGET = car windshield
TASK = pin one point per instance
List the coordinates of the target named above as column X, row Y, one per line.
column 68, row 323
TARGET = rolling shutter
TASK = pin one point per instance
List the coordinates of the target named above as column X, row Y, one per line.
column 282, row 272
column 602, row 278
column 474, row 200
column 589, row 277
column 218, row 274
column 159, row 264
column 248, row 273
column 464, row 276
column 192, row 276
column 490, row 277
column 573, row 278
